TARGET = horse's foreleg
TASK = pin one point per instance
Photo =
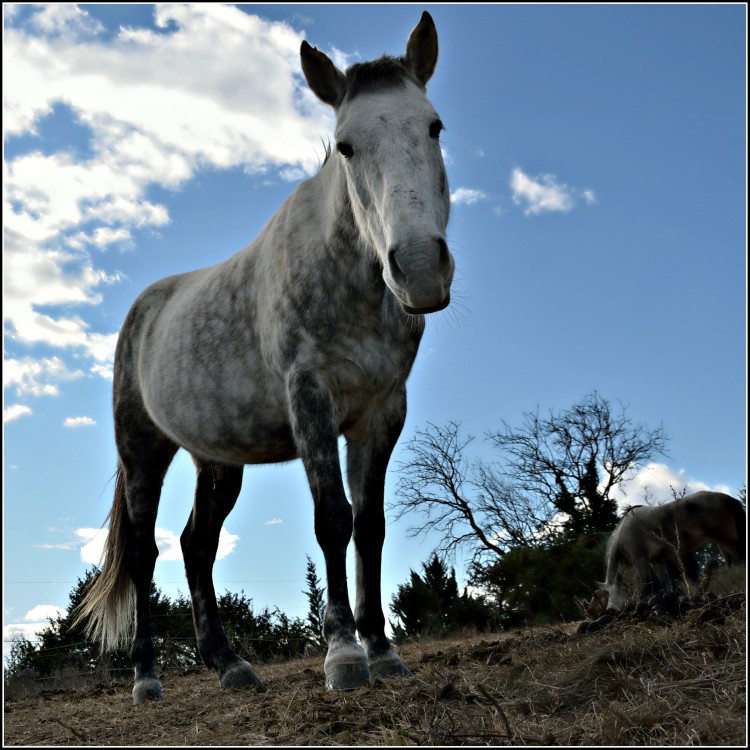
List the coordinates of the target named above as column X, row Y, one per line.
column 216, row 492
column 647, row 576
column 315, row 428
column 366, row 468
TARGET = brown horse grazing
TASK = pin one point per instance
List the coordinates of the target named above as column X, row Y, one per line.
column 658, row 541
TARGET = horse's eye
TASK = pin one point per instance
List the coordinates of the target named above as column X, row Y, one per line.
column 435, row 128
column 345, row 149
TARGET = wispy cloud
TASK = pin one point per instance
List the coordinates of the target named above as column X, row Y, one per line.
column 653, row 484
column 34, row 622
column 91, row 542
column 343, row 60
column 273, row 522
column 589, row 197
column 545, row 193
column 16, row 411
column 78, row 422
column 43, row 612
column 30, row 377
column 468, row 196
column 158, row 105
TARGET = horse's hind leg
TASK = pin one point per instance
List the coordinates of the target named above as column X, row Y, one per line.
column 144, row 468
column 217, row 489
column 366, row 468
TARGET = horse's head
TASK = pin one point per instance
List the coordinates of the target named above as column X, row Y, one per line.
column 387, row 139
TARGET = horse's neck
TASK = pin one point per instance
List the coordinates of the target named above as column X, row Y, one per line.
column 342, row 238
column 337, row 259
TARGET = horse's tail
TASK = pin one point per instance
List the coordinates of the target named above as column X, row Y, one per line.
column 108, row 605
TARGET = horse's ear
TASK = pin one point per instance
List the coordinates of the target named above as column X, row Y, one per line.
column 422, row 49
column 327, row 82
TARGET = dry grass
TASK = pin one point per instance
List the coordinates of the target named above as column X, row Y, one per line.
column 632, row 683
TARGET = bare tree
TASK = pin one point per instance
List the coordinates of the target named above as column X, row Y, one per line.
column 467, row 502
column 546, row 479
column 559, row 459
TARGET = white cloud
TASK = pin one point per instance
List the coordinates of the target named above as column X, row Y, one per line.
column 15, row 411
column 342, row 60
column 78, row 422
column 273, row 522
column 35, row 621
column 545, row 193
column 653, row 485
column 227, row 543
column 38, row 276
column 541, row 194
column 92, row 544
column 43, row 612
column 468, row 196
column 167, row 542
column 218, row 88
column 27, row 630
column 30, row 376
column 59, row 18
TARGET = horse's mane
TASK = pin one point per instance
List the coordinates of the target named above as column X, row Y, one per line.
column 327, row 151
column 384, row 73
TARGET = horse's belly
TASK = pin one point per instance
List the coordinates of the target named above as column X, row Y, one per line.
column 239, row 420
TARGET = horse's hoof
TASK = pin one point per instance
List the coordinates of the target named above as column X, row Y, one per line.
column 145, row 689
column 239, row 676
column 389, row 665
column 347, row 676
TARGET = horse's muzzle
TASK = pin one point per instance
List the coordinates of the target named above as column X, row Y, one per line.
column 426, row 310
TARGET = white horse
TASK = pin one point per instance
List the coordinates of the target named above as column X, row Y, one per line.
column 308, row 333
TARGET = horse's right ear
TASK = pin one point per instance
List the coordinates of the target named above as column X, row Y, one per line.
column 327, row 82
column 422, row 49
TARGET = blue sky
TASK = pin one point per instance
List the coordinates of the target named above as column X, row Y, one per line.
column 597, row 163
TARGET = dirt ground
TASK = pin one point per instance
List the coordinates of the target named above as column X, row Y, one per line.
column 627, row 684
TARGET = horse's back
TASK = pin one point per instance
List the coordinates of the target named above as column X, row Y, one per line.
column 721, row 517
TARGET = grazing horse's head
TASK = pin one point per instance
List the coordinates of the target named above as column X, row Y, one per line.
column 387, row 139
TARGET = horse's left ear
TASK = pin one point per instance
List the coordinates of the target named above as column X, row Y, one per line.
column 422, row 49
column 324, row 78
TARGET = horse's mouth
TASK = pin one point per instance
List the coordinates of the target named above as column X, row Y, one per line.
column 425, row 310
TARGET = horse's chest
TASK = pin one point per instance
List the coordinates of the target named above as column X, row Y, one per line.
column 361, row 373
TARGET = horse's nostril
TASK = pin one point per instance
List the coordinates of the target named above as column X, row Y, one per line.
column 444, row 259
column 398, row 275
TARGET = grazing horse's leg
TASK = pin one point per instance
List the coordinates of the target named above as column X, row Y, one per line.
column 315, row 428
column 678, row 571
column 366, row 468
column 647, row 575
column 216, row 492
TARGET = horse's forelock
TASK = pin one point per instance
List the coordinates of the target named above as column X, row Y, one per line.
column 377, row 75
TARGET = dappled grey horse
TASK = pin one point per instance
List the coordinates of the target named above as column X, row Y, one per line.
column 657, row 541
column 308, row 333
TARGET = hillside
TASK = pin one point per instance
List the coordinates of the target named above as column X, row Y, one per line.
column 682, row 682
